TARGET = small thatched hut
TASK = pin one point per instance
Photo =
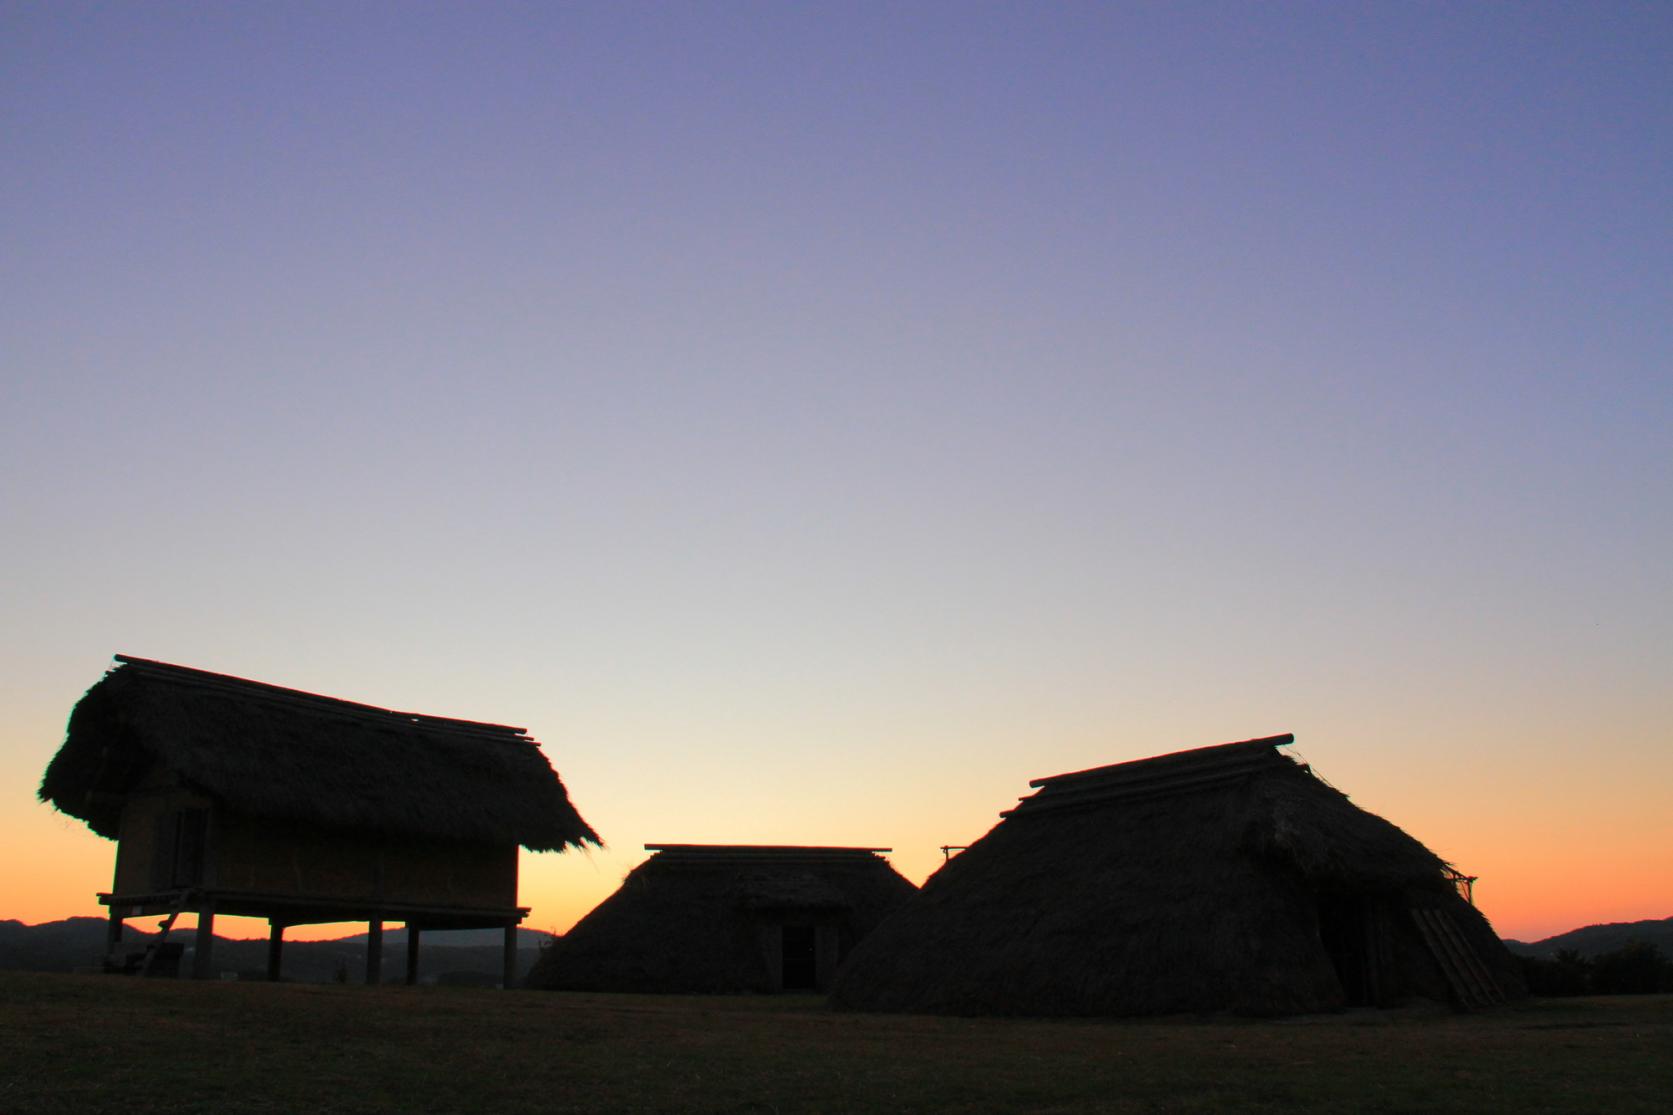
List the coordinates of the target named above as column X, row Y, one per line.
column 1224, row 878
column 235, row 797
column 726, row 918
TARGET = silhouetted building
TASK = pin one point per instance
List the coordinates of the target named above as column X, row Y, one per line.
column 228, row 796
column 1224, row 878
column 726, row 918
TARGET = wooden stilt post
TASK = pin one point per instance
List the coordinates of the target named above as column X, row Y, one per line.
column 412, row 954
column 113, row 938
column 509, row 979
column 275, row 948
column 203, row 958
column 374, row 951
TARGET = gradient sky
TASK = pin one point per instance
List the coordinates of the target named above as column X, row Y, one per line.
column 813, row 421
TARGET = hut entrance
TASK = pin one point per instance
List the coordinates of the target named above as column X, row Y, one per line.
column 1353, row 930
column 801, row 964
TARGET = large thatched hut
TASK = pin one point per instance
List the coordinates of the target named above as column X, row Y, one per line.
column 727, row 917
column 1224, row 878
column 228, row 796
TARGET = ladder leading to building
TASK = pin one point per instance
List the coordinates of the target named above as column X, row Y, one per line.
column 156, row 946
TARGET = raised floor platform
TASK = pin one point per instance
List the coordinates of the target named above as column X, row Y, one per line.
column 283, row 911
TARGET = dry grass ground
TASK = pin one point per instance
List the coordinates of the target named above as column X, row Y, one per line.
column 89, row 1043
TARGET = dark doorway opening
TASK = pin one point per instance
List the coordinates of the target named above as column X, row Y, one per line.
column 801, row 966
column 1348, row 932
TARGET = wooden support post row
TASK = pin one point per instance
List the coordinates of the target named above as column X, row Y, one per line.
column 203, row 960
column 374, row 951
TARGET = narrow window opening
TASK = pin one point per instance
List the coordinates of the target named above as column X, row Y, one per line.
column 191, row 837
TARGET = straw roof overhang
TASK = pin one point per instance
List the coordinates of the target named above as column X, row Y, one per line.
column 284, row 754
column 1298, row 819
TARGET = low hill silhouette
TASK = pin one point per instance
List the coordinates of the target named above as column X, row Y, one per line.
column 463, row 956
column 474, row 954
column 1591, row 940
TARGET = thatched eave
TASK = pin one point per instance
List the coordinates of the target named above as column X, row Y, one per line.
column 1318, row 832
column 286, row 755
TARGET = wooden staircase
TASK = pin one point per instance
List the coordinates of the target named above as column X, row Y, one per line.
column 1473, row 986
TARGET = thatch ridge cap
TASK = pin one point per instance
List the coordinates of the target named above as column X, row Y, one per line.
column 765, row 849
column 192, row 675
column 1177, row 772
column 1205, row 753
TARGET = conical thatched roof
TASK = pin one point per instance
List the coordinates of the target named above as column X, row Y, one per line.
column 1186, row 882
column 279, row 753
column 688, row 919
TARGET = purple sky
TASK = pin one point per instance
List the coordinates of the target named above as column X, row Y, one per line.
column 815, row 421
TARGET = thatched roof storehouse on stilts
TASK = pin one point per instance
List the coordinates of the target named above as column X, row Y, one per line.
column 1227, row 878
column 722, row 918
column 228, row 796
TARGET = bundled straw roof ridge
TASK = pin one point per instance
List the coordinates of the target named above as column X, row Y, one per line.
column 285, row 754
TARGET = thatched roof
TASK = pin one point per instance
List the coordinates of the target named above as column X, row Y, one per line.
column 1189, row 881
column 1299, row 820
column 283, row 754
column 686, row 919
column 774, row 876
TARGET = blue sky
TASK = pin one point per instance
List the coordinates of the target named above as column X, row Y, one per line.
column 815, row 420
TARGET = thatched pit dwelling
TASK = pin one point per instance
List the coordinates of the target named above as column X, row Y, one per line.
column 720, row 918
column 228, row 796
column 1226, row 878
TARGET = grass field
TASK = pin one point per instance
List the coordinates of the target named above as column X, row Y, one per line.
column 92, row 1043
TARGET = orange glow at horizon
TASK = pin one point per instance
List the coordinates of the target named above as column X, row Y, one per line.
column 1550, row 859
column 1596, row 884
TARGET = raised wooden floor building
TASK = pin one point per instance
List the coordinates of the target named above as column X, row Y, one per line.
column 228, row 796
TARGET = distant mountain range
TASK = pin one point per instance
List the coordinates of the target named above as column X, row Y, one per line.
column 1593, row 939
column 473, row 955
column 454, row 956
